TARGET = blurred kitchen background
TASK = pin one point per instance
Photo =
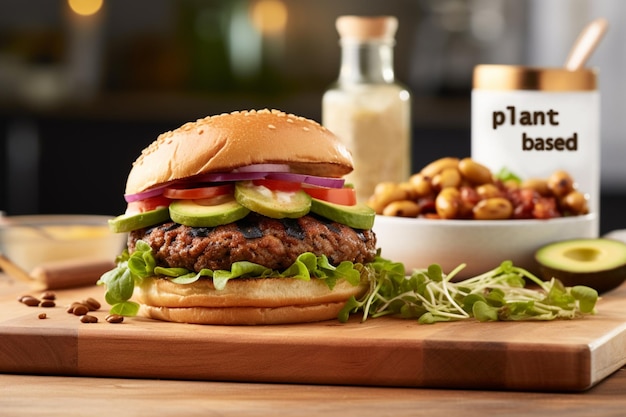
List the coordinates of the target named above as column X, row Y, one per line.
column 86, row 84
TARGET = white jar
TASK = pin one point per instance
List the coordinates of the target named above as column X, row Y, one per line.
column 366, row 108
column 534, row 121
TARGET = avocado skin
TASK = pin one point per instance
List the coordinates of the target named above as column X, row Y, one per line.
column 190, row 213
column 359, row 216
column 600, row 276
column 128, row 222
column 249, row 196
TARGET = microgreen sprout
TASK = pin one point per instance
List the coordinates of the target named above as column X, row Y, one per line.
column 500, row 294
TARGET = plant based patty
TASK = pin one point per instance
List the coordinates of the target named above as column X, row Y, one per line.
column 273, row 243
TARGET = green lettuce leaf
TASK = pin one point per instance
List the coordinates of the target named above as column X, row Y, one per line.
column 132, row 268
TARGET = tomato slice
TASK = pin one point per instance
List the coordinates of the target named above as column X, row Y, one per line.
column 279, row 185
column 197, row 193
column 147, row 204
column 343, row 196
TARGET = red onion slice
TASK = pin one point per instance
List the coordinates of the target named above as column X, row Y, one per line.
column 153, row 192
column 231, row 176
column 326, row 182
column 244, row 174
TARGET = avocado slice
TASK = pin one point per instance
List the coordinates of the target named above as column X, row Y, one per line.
column 359, row 216
column 274, row 204
column 597, row 263
column 196, row 214
column 127, row 222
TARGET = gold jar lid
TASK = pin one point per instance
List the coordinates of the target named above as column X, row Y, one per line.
column 511, row 77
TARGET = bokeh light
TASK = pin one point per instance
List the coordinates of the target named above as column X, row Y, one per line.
column 85, row 7
column 269, row 16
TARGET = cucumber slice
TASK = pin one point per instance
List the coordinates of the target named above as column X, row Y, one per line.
column 359, row 216
column 128, row 222
column 274, row 204
column 193, row 213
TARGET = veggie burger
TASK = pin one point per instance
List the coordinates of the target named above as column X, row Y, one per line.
column 242, row 218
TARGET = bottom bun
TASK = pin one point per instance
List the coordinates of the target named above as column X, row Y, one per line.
column 245, row 301
column 244, row 315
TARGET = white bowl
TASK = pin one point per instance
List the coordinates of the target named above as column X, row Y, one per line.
column 480, row 244
column 31, row 240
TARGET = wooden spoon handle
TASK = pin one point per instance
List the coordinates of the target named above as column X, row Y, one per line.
column 73, row 273
column 585, row 44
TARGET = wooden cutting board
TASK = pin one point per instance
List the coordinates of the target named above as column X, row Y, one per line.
column 538, row 356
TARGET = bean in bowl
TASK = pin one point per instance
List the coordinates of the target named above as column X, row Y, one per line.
column 454, row 188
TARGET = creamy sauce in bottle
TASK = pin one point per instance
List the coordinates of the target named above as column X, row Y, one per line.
column 366, row 108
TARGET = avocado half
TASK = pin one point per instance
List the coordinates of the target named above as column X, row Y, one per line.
column 597, row 263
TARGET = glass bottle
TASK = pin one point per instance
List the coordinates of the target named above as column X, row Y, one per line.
column 366, row 108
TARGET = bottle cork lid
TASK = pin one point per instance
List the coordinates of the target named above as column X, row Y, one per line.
column 363, row 28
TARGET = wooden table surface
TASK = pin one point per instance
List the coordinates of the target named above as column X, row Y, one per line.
column 33, row 395
column 66, row 396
